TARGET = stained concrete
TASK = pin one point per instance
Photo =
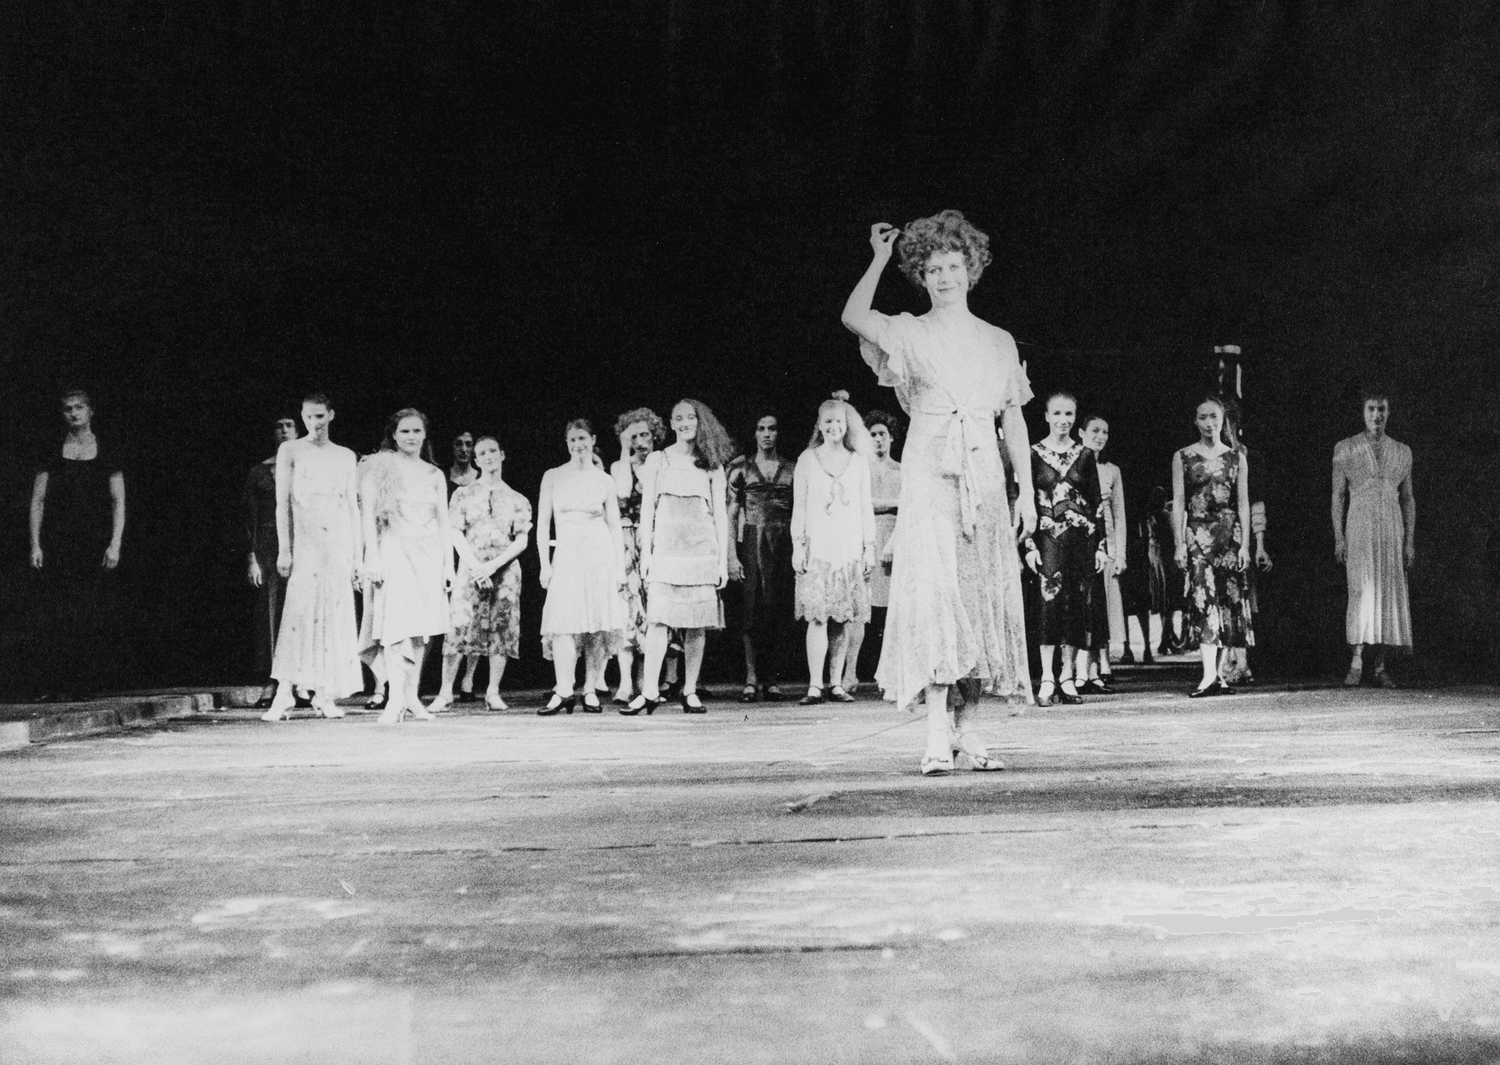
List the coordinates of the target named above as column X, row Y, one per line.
column 1276, row 876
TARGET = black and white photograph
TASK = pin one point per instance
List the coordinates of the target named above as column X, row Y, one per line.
column 731, row 532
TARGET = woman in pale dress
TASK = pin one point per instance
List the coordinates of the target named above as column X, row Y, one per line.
column 319, row 543
column 1374, row 531
column 409, row 549
column 866, row 638
column 684, row 535
column 956, row 617
column 485, row 610
column 585, row 576
column 641, row 432
column 1110, row 626
column 833, row 542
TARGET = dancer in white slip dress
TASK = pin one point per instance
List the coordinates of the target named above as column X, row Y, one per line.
column 956, row 616
column 318, row 530
column 1374, row 538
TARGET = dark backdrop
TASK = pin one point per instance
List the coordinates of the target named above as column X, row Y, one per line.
column 511, row 214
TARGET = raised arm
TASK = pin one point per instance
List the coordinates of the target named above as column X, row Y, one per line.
column 1018, row 446
column 284, row 509
column 38, row 509
column 544, row 528
column 1340, row 498
column 117, row 519
column 721, row 521
column 859, row 316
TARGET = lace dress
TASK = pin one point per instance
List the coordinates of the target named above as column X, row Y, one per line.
column 488, row 621
column 956, row 609
column 1216, row 610
column 1375, row 538
column 1068, row 532
column 583, row 598
column 836, row 520
column 318, row 645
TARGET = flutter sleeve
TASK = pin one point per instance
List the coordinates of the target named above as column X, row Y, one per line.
column 891, row 354
column 1014, row 387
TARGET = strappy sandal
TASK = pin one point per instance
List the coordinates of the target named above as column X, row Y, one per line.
column 976, row 755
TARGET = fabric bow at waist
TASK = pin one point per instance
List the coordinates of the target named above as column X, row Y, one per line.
column 965, row 431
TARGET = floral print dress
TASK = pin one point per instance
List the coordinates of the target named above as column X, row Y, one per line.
column 1217, row 610
column 487, row 621
column 1068, row 534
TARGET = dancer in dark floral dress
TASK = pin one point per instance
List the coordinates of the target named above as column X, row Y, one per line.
column 1211, row 505
column 760, row 508
column 1067, row 550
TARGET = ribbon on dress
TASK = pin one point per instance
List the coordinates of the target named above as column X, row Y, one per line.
column 962, row 438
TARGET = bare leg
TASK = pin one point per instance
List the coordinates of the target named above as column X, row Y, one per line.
column 656, row 651
column 1045, row 684
column 626, row 660
column 395, row 679
column 817, row 652
column 564, row 664
column 594, row 660
column 467, row 684
column 938, row 749
column 693, row 642
column 1356, row 665
column 750, row 679
column 452, row 666
column 854, row 639
column 1210, row 653
column 838, row 651
column 492, row 692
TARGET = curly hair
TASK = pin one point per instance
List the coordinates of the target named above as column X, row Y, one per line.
column 945, row 231
column 388, row 438
column 712, row 447
column 891, row 422
column 643, row 414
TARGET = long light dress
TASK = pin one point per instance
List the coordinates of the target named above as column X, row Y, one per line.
column 583, row 598
column 682, row 586
column 1112, row 509
column 885, row 483
column 318, row 645
column 956, row 608
column 410, row 605
column 487, row 621
column 836, row 520
column 1375, row 536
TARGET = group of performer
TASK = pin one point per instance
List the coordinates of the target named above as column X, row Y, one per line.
column 921, row 561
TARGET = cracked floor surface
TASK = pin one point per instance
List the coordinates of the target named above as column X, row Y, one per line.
column 1276, row 876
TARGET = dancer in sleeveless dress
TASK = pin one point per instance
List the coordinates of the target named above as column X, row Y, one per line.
column 760, row 518
column 409, row 549
column 485, row 610
column 684, row 548
column 585, row 578
column 319, row 533
column 833, row 543
column 1211, row 511
column 1375, row 538
column 956, row 615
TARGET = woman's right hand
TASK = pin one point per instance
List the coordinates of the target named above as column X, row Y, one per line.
column 284, row 562
column 253, row 574
column 799, row 558
column 883, row 239
column 1180, row 557
column 736, row 569
column 36, row 558
column 483, row 582
column 1034, row 560
column 1340, row 552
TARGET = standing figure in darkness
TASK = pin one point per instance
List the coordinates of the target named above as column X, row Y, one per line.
column 684, row 534
column 259, row 502
column 485, row 609
column 1375, row 538
column 1166, row 581
column 956, row 617
column 640, row 432
column 1108, row 609
column 833, row 542
column 77, row 526
column 584, row 612
column 1235, row 668
column 409, row 559
column 760, row 517
column 318, row 536
column 866, row 640
column 1211, row 512
column 460, row 475
column 1067, row 551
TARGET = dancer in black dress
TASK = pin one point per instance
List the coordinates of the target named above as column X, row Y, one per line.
column 77, row 525
column 760, row 508
column 1067, row 550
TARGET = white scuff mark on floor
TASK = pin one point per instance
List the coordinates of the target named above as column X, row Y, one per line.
column 933, row 1037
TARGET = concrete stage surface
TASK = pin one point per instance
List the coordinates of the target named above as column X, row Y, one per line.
column 1271, row 876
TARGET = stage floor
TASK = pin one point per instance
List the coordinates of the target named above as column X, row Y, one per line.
column 1292, row 875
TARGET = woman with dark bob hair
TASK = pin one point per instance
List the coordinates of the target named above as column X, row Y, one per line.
column 956, row 616
column 409, row 547
column 684, row 533
column 760, row 519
